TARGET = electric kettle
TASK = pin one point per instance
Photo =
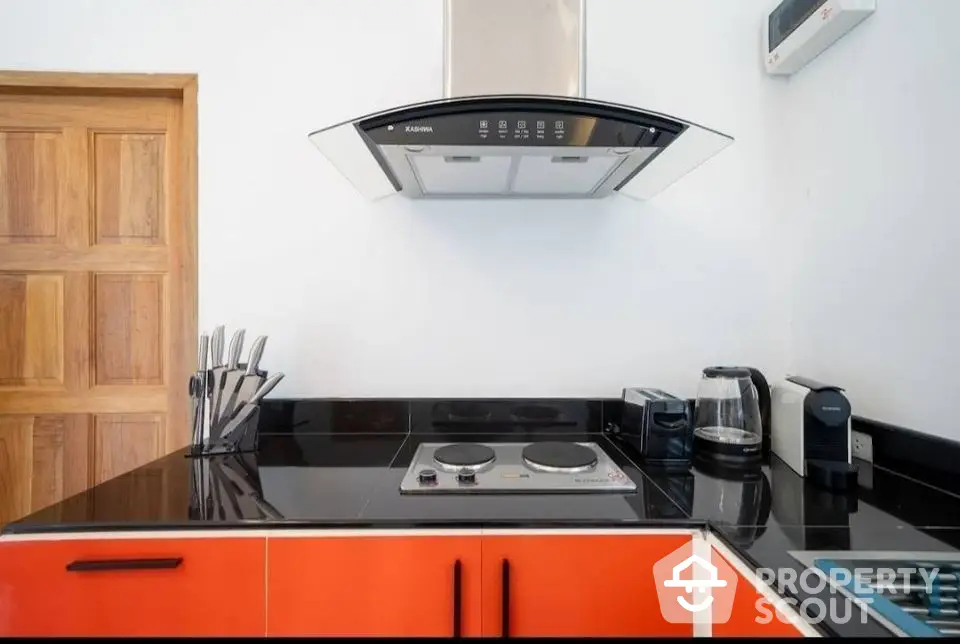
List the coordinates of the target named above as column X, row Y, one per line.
column 731, row 417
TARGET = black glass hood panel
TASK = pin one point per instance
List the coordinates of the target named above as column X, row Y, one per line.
column 516, row 146
column 521, row 122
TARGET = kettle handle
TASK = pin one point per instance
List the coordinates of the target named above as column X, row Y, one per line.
column 762, row 390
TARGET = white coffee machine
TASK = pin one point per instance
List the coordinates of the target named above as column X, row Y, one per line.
column 810, row 431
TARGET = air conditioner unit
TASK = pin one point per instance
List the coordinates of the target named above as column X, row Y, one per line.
column 797, row 31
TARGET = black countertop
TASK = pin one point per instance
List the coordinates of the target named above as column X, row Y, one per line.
column 329, row 471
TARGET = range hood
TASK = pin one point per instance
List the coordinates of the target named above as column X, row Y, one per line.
column 513, row 121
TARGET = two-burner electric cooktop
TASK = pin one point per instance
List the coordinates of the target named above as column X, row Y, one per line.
column 489, row 468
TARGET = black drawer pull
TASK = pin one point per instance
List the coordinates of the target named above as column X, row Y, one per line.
column 456, row 597
column 505, row 599
column 103, row 565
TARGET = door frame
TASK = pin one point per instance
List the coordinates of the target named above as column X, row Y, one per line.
column 182, row 87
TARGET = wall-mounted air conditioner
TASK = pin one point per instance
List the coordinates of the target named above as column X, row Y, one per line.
column 797, row 31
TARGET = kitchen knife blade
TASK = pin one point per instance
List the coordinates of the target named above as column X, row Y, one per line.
column 266, row 388
column 231, row 381
column 215, row 378
column 251, row 380
column 220, row 384
column 242, row 415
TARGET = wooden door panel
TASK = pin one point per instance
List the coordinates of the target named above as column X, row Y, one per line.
column 577, row 585
column 31, row 329
column 129, row 332
column 61, row 458
column 123, row 442
column 46, row 458
column 31, row 163
column 372, row 586
column 129, row 187
column 43, row 459
column 97, row 240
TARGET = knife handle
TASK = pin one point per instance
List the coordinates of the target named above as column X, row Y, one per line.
column 202, row 358
column 256, row 352
column 216, row 347
column 236, row 346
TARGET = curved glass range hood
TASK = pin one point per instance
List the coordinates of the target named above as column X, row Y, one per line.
column 516, row 146
column 545, row 142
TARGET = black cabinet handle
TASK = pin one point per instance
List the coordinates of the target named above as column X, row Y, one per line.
column 103, row 565
column 456, row 597
column 505, row 599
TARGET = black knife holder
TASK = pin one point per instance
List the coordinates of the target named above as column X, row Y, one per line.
column 244, row 438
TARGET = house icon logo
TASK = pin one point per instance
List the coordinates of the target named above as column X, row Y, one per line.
column 693, row 587
column 693, row 582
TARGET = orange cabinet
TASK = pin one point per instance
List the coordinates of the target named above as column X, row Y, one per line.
column 575, row 585
column 370, row 584
column 132, row 586
column 753, row 613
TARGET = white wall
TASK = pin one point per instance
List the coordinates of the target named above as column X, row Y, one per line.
column 409, row 299
column 868, row 180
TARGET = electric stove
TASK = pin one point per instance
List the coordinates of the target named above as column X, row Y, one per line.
column 519, row 468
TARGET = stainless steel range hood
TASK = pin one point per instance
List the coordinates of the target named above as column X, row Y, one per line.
column 514, row 122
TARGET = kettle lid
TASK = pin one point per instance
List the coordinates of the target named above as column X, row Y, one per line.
column 726, row 372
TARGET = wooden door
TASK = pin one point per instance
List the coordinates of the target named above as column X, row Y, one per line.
column 576, row 585
column 97, row 278
column 385, row 586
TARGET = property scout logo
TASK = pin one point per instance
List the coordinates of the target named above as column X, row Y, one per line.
column 691, row 588
column 696, row 589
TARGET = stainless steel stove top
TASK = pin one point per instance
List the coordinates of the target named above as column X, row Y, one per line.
column 490, row 468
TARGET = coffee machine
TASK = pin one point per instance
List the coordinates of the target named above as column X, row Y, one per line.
column 810, row 431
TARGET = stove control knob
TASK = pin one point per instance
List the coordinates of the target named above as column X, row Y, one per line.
column 467, row 476
column 427, row 477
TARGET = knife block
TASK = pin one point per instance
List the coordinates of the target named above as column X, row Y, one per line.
column 243, row 437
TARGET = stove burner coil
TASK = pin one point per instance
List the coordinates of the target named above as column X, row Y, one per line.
column 559, row 457
column 459, row 456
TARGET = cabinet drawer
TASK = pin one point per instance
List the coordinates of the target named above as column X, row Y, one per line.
column 133, row 586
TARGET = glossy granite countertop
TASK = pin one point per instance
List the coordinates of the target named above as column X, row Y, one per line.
column 322, row 472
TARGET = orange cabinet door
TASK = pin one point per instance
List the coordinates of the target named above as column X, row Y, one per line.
column 374, row 585
column 753, row 614
column 575, row 585
column 134, row 587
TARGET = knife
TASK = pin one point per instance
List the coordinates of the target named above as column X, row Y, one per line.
column 198, row 391
column 231, row 379
column 266, row 388
column 242, row 415
column 216, row 370
column 233, row 361
column 251, row 380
